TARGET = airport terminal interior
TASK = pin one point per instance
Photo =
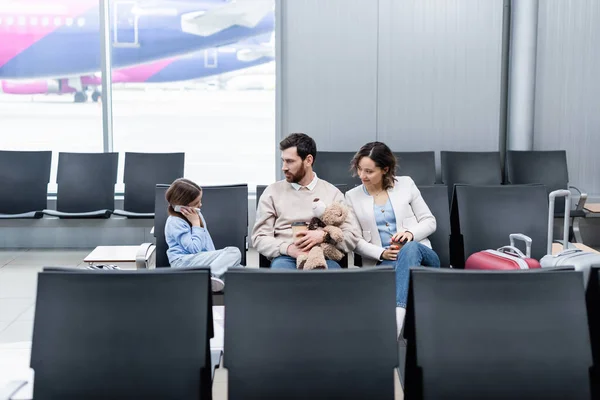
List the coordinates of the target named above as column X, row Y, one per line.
column 299, row 199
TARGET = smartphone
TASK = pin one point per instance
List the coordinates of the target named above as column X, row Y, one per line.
column 178, row 208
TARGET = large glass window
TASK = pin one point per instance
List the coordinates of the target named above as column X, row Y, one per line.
column 49, row 55
column 197, row 77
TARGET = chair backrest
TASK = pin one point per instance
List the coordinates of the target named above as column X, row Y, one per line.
column 24, row 175
column 334, row 167
column 340, row 348
column 592, row 297
column 225, row 209
column 485, row 335
column 419, row 165
column 143, row 171
column 160, row 219
column 436, row 198
column 86, row 181
column 487, row 215
column 470, row 167
column 122, row 334
column 548, row 168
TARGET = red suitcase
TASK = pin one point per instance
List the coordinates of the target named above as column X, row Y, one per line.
column 505, row 258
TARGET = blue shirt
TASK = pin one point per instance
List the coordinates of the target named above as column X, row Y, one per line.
column 184, row 239
column 386, row 221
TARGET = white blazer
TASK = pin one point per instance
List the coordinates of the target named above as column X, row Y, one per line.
column 412, row 214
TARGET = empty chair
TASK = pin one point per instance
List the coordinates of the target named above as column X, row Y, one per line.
column 419, row 165
column 470, row 167
column 86, row 185
column 513, row 335
column 24, row 177
column 264, row 262
column 316, row 334
column 485, row 216
column 436, row 198
column 592, row 299
column 225, row 209
column 334, row 167
column 548, row 168
column 122, row 334
column 142, row 172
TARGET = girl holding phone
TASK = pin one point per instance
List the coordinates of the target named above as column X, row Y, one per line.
column 186, row 233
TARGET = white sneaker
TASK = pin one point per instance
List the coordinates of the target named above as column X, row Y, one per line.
column 400, row 314
column 216, row 284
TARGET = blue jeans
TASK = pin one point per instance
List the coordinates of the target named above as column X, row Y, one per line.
column 412, row 254
column 287, row 262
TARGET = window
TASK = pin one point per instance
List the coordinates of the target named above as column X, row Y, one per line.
column 212, row 105
column 39, row 83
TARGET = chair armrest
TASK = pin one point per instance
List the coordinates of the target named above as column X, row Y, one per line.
column 8, row 391
column 582, row 198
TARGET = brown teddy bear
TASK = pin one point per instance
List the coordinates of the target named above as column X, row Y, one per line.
column 329, row 219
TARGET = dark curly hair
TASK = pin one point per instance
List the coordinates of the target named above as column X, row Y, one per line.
column 383, row 157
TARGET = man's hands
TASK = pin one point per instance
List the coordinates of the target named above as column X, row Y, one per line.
column 309, row 239
column 293, row 251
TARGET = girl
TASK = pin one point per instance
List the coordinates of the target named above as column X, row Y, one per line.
column 190, row 244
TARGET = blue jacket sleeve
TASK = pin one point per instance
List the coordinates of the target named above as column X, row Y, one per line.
column 193, row 240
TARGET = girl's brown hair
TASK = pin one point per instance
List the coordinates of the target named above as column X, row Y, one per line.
column 383, row 157
column 181, row 193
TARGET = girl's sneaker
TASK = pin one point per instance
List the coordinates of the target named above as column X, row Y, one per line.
column 216, row 284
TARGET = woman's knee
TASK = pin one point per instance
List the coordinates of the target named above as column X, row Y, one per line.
column 410, row 247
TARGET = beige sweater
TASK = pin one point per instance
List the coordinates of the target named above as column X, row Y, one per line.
column 280, row 205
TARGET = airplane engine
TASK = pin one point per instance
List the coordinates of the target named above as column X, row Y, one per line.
column 30, row 87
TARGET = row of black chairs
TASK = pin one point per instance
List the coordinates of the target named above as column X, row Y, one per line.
column 482, row 217
column 464, row 167
column 468, row 334
column 86, row 183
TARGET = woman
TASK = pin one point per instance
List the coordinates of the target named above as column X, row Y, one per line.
column 394, row 219
column 186, row 233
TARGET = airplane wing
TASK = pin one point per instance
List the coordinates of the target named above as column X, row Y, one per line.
column 246, row 13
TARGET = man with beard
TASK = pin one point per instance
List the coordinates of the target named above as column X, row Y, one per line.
column 290, row 201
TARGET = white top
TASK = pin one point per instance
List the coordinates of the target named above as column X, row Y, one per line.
column 411, row 211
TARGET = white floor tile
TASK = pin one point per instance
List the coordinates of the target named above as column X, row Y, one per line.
column 18, row 331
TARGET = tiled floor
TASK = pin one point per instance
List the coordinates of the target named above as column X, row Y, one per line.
column 18, row 271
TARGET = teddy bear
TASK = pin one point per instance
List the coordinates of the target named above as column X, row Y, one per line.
column 329, row 219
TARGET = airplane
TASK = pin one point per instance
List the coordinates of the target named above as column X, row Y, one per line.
column 196, row 65
column 58, row 38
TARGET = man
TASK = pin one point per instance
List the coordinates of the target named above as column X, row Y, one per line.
column 290, row 200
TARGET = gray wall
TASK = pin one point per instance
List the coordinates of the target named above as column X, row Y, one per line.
column 567, row 99
column 419, row 75
column 328, row 64
column 439, row 74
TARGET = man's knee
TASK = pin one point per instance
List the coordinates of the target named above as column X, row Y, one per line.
column 283, row 262
column 234, row 253
column 333, row 265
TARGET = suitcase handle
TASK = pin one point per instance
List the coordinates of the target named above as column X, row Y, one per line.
column 525, row 238
column 513, row 250
column 553, row 195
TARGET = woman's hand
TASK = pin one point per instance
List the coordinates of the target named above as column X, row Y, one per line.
column 191, row 215
column 402, row 237
column 391, row 253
